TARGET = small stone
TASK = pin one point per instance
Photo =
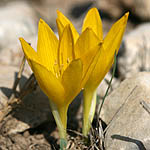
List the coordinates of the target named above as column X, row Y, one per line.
column 18, row 19
column 134, row 54
column 128, row 121
column 26, row 134
column 101, row 90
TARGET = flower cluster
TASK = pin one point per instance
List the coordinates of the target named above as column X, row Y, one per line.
column 65, row 66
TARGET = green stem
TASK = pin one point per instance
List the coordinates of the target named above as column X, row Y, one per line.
column 89, row 110
column 113, row 73
column 60, row 115
column 63, row 144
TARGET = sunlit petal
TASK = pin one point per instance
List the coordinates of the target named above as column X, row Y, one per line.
column 47, row 45
column 93, row 21
column 66, row 48
column 71, row 79
column 29, row 52
column 89, row 62
column 62, row 21
column 49, row 83
column 110, row 46
column 85, row 42
column 113, row 39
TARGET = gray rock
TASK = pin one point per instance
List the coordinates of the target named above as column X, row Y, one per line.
column 140, row 8
column 33, row 110
column 14, row 53
column 101, row 90
column 135, row 51
column 7, row 75
column 110, row 7
column 74, row 10
column 128, row 120
column 18, row 19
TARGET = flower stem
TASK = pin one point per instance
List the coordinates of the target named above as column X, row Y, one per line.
column 89, row 110
column 109, row 85
column 63, row 144
column 60, row 115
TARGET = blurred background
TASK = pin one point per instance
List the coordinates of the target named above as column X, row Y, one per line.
column 19, row 18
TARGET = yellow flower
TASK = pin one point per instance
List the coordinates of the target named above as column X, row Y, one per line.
column 111, row 44
column 60, row 72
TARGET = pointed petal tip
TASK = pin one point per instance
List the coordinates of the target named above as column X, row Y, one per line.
column 93, row 9
column 126, row 15
column 21, row 39
column 41, row 21
column 67, row 27
column 125, row 18
column 59, row 13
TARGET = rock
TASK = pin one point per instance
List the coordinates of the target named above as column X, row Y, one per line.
column 128, row 126
column 13, row 54
column 73, row 9
column 18, row 19
column 140, row 8
column 7, row 75
column 28, row 114
column 101, row 90
column 110, row 7
column 134, row 54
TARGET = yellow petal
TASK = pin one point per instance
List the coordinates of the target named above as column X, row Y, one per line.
column 29, row 52
column 47, row 45
column 99, row 71
column 71, row 80
column 110, row 46
column 66, row 48
column 89, row 62
column 93, row 21
column 62, row 21
column 49, row 84
column 85, row 42
column 114, row 37
column 60, row 27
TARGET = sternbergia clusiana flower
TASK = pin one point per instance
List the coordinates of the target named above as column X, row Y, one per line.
column 59, row 68
column 111, row 44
